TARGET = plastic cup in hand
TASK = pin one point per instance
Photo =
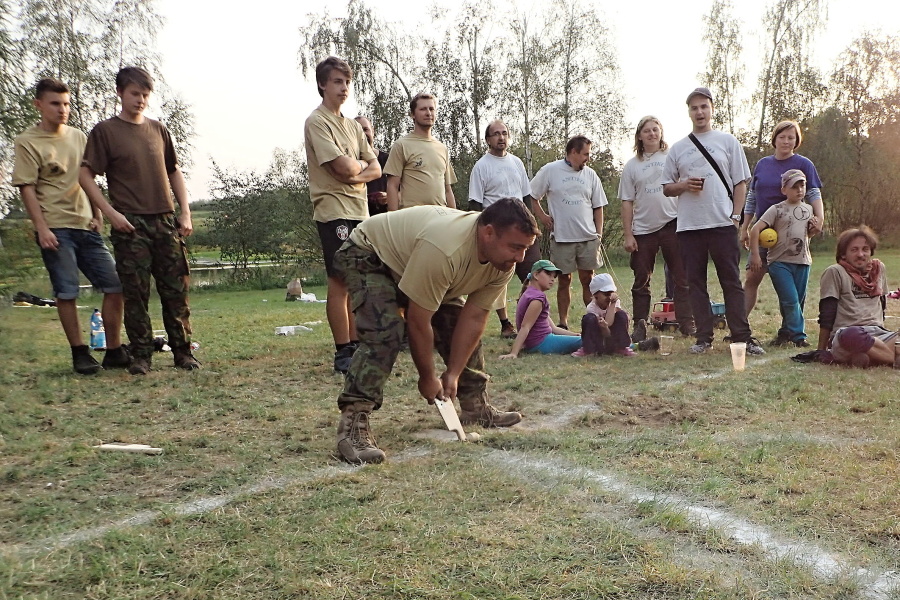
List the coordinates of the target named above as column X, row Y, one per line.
column 738, row 355
column 665, row 344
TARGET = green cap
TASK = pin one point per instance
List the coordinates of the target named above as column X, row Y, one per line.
column 544, row 265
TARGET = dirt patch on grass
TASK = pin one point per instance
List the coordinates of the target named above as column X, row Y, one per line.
column 645, row 411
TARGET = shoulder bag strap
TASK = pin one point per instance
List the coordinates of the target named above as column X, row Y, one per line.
column 714, row 164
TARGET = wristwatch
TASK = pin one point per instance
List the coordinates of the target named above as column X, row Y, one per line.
column 735, row 217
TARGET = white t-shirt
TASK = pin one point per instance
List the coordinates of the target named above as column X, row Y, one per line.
column 496, row 177
column 711, row 206
column 641, row 184
column 572, row 197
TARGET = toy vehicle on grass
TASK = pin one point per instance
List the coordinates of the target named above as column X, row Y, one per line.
column 663, row 315
column 718, row 311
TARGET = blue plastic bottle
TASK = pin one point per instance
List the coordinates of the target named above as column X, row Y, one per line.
column 98, row 332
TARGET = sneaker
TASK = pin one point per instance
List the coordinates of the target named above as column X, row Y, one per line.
column 579, row 353
column 355, row 443
column 754, row 347
column 140, row 365
column 780, row 340
column 83, row 362
column 701, row 347
column 649, row 345
column 185, row 360
column 343, row 357
column 563, row 326
column 488, row 416
column 640, row 331
column 116, row 358
column 625, row 352
column 508, row 331
column 801, row 343
column 688, row 329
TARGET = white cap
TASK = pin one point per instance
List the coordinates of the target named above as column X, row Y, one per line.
column 602, row 282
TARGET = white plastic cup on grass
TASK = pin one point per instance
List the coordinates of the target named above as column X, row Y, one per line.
column 738, row 355
column 665, row 344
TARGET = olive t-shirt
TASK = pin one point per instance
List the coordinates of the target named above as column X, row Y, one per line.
column 137, row 159
column 328, row 136
column 50, row 162
column 855, row 307
column 433, row 253
column 424, row 169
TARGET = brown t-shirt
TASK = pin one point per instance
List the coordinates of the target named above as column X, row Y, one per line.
column 424, row 169
column 434, row 254
column 855, row 307
column 137, row 160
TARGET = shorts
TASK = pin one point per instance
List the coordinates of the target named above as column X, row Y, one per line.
column 573, row 256
column 333, row 234
column 84, row 250
column 764, row 256
column 859, row 339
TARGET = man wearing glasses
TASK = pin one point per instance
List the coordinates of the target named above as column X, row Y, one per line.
column 499, row 174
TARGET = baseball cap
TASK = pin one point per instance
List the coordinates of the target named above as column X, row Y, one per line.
column 789, row 178
column 544, row 265
column 602, row 283
column 700, row 91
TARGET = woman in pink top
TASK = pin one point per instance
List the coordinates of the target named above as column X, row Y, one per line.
column 537, row 333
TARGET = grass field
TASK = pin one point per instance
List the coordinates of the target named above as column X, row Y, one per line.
column 651, row 477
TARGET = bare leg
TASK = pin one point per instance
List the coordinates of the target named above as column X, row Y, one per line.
column 564, row 297
column 68, row 318
column 502, row 314
column 337, row 310
column 351, row 319
column 112, row 319
column 751, row 288
column 881, row 353
column 585, row 277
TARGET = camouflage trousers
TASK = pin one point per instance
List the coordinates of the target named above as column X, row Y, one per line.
column 154, row 248
column 376, row 302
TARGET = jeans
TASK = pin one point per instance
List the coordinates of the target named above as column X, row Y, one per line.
column 790, row 281
column 720, row 244
column 596, row 343
column 80, row 249
column 558, row 344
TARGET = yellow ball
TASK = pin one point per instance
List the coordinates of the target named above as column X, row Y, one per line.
column 768, row 237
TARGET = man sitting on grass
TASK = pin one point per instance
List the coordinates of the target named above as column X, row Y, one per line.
column 851, row 308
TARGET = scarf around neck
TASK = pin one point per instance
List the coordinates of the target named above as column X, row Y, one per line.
column 868, row 281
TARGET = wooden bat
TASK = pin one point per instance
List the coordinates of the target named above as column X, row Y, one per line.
column 451, row 419
column 122, row 447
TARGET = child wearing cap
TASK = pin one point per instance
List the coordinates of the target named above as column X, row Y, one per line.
column 789, row 259
column 537, row 333
column 604, row 328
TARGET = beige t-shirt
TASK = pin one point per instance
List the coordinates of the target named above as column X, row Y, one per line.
column 328, row 136
column 432, row 250
column 424, row 169
column 855, row 307
column 790, row 222
column 137, row 159
column 51, row 162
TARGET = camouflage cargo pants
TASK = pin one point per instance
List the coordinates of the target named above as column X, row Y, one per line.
column 376, row 300
column 153, row 248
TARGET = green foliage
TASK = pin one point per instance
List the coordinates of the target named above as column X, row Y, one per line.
column 263, row 216
column 724, row 68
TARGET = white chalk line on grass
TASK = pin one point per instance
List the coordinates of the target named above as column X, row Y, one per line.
column 875, row 584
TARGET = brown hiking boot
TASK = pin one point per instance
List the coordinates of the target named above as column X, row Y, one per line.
column 508, row 331
column 185, row 360
column 487, row 416
column 140, row 365
column 355, row 443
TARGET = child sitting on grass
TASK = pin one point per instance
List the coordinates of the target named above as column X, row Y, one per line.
column 537, row 333
column 789, row 258
column 604, row 328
